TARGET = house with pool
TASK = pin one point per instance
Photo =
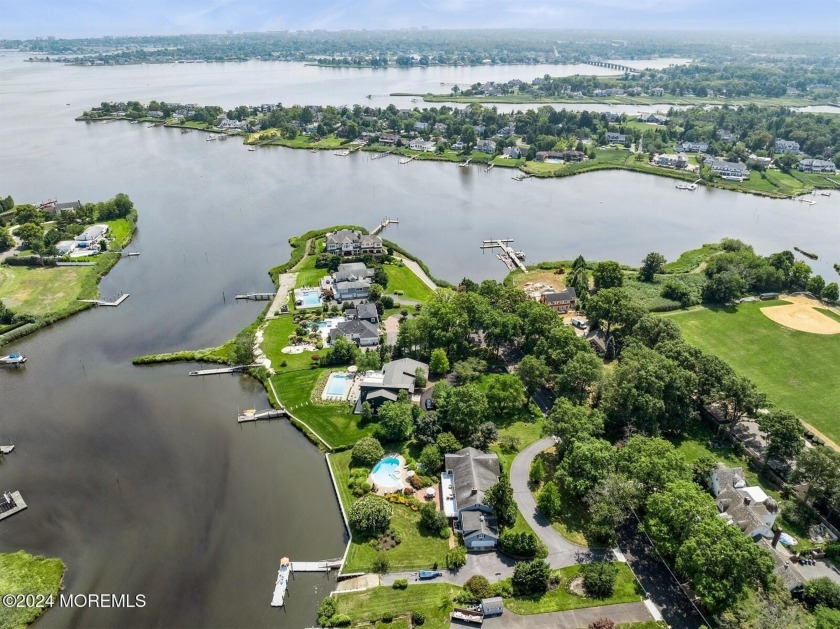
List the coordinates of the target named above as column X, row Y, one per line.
column 468, row 474
column 378, row 387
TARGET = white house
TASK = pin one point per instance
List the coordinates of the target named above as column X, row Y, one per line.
column 816, row 166
column 693, row 147
column 419, row 144
column 91, row 235
column 786, row 146
column 349, row 242
column 485, row 146
column 671, row 161
column 616, row 138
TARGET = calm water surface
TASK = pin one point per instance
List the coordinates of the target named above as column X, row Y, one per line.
column 140, row 478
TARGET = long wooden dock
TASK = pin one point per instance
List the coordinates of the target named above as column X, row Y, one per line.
column 256, row 296
column 385, row 222
column 254, row 415
column 510, row 257
column 101, row 302
column 316, row 566
column 20, row 505
column 223, row 370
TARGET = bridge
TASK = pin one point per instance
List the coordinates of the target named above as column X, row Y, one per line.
column 612, row 66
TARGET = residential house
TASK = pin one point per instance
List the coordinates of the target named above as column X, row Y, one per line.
column 654, row 118
column 479, row 129
column 457, row 146
column 352, row 271
column 562, row 301
column 227, row 123
column 349, row 242
column 657, row 91
column 378, row 387
column 470, row 473
column 362, row 333
column 351, row 289
column 312, row 127
column 671, row 161
column 693, row 147
column 439, row 127
column 735, row 171
column 154, row 114
column 727, row 136
column 611, row 116
column 363, row 312
column 748, row 508
column 611, row 91
column 512, row 152
column 485, row 146
column 65, row 246
column 91, row 235
column 816, row 166
column 786, row 146
column 507, row 131
column 616, row 138
column 388, row 139
column 58, row 208
column 421, row 126
column 558, row 156
column 419, row 144
column 761, row 162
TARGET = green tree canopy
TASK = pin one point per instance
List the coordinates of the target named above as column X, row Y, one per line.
column 571, row 422
column 500, row 497
column 366, row 452
column 505, row 393
column 395, row 421
column 586, row 464
column 579, row 378
column 465, row 410
column 530, row 577
column 608, row 274
column 652, row 265
column 784, row 434
column 370, row 515
column 672, row 515
column 653, row 462
column 533, row 373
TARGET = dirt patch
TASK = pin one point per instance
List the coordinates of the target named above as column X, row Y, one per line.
column 802, row 315
column 576, row 587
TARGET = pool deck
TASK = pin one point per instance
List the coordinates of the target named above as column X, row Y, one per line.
column 332, row 397
column 302, row 293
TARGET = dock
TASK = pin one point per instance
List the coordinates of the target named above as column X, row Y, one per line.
column 223, row 370
column 465, row 164
column 405, row 160
column 512, row 259
column 282, row 583
column 489, row 168
column 252, row 415
column 102, row 302
column 522, row 177
column 382, row 225
column 256, row 296
column 381, row 155
column 130, row 254
column 10, row 504
column 343, row 153
column 316, row 566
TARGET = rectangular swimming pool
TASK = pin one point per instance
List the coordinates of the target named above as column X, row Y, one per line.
column 338, row 384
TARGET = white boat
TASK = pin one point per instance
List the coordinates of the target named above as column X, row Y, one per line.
column 826, row 194
column 686, row 186
column 210, row 137
column 13, row 360
column 252, row 148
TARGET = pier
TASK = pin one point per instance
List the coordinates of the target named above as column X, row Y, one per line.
column 381, row 155
column 612, row 66
column 385, row 222
column 512, row 259
column 405, row 160
column 489, row 168
column 101, row 302
column 522, row 177
column 130, row 254
column 256, row 296
column 252, row 415
column 10, row 504
column 223, row 370
column 343, row 153
column 465, row 164
column 288, row 568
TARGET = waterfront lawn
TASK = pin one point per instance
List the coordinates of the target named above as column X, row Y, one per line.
column 433, row 600
column 626, row 591
column 401, row 278
column 121, row 230
column 417, row 550
column 691, row 261
column 275, row 337
column 39, row 291
column 797, row 370
column 333, row 422
column 22, row 573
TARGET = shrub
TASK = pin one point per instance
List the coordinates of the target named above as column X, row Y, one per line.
column 456, row 558
column 416, row 481
column 832, row 550
column 381, row 563
column 370, row 515
column 387, row 617
column 602, row 623
column 503, row 589
column 430, row 458
column 823, row 591
column 522, row 544
column 509, row 443
column 599, row 578
column 340, row 620
column 479, row 586
column 530, row 577
column 408, row 491
column 326, row 610
column 537, row 472
column 367, row 452
column 400, row 584
column 418, row 618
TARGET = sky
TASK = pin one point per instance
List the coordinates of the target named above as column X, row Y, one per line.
column 24, row 19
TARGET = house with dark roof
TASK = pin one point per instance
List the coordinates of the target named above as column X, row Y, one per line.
column 58, row 208
column 378, row 387
column 616, row 138
column 748, row 508
column 365, row 311
column 785, row 146
column 562, row 301
column 816, row 166
column 362, row 333
column 470, row 473
column 351, row 289
column 671, row 161
column 693, row 147
column 352, row 271
column 350, row 242
column 485, row 146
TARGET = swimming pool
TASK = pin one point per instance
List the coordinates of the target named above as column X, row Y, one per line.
column 338, row 385
column 310, row 298
column 386, row 472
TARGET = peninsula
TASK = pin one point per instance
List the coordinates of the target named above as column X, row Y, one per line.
column 360, row 347
column 749, row 149
column 52, row 257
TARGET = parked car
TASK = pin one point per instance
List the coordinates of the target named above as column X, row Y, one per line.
column 429, row 404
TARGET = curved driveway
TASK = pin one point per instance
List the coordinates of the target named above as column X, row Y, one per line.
column 561, row 552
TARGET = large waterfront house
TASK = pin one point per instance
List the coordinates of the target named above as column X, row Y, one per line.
column 485, row 146
column 671, row 161
column 388, row 139
column 91, row 235
column 693, row 147
column 786, row 146
column 59, row 208
column 365, row 311
column 559, row 156
column 378, row 387
column 352, row 280
column 562, row 301
column 654, row 118
column 350, row 242
column 352, row 271
column 616, row 138
column 362, row 333
column 351, row 289
column 730, row 170
column 419, row 144
column 468, row 474
column 816, row 166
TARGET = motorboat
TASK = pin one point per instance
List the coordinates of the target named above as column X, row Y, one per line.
column 13, row 360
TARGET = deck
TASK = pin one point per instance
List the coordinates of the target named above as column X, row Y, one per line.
column 252, row 416
column 281, row 585
column 101, row 302
column 20, row 505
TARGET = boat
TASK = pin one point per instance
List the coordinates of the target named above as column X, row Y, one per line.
column 686, row 186
column 252, row 148
column 210, row 137
column 7, row 449
column 13, row 360
column 425, row 575
column 826, row 194
column 313, row 150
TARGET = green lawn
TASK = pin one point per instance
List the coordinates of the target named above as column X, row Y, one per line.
column 337, row 425
column 307, row 274
column 434, row 600
column 626, row 591
column 275, row 338
column 38, row 291
column 121, row 230
column 690, row 260
column 829, row 313
column 401, row 278
column 797, row 370
column 22, row 573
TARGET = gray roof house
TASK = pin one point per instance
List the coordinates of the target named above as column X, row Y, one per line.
column 730, row 170
column 365, row 312
column 471, row 473
column 357, row 289
column 748, row 508
column 816, row 166
column 92, row 234
column 786, row 146
column 349, row 242
column 377, row 387
column 362, row 333
column 561, row 301
column 616, row 138
column 57, row 208
column 485, row 146
column 352, row 271
column 693, row 147
column 671, row 161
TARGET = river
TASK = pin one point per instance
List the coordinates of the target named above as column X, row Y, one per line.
column 140, row 478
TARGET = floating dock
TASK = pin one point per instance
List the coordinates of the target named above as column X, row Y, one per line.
column 512, row 259
column 223, row 370
column 101, row 302
column 7, row 511
column 130, row 254
column 282, row 583
column 405, row 160
column 256, row 296
column 252, row 415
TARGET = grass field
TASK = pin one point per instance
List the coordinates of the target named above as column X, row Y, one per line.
column 22, row 573
column 829, row 313
column 434, row 600
column 626, row 591
column 690, row 261
column 401, row 278
column 38, row 291
column 797, row 370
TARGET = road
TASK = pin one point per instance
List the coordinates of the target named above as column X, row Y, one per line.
column 418, row 271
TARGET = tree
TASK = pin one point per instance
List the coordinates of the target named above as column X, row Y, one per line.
column 608, row 274
column 468, row 136
column 381, row 564
column 599, row 578
column 831, row 293
column 530, row 577
column 367, row 412
column 343, row 352
column 740, row 397
column 652, row 462
column 533, row 373
column 800, row 273
column 586, row 464
column 468, row 370
column 612, row 306
column 447, row 443
column 672, row 515
column 430, row 458
column 652, row 264
column 537, row 472
column 815, row 285
column 570, row 422
column 395, row 421
column 609, row 505
column 465, row 409
column 677, row 291
column 30, row 233
column 548, row 501
column 367, row 452
column 505, row 393
column 651, row 330
column 579, row 377
column 723, row 288
column 456, row 558
column 723, row 564
column 370, row 515
column 484, row 436
column 784, row 435
column 823, row 591
column 500, row 497
column 6, row 240
column 479, row 586
column 820, row 468
column 27, row 213
column 433, row 520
